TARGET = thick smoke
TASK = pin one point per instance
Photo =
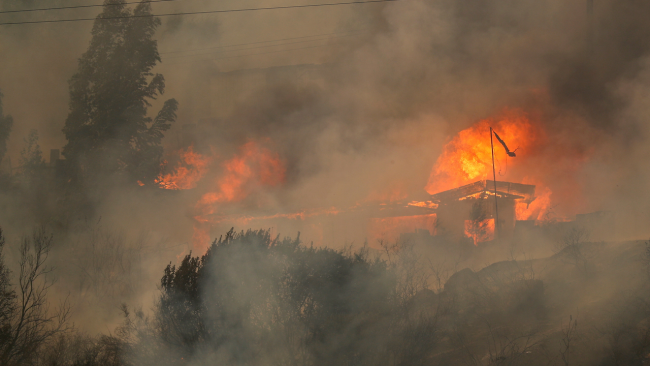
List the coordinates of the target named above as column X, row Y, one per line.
column 360, row 109
column 416, row 72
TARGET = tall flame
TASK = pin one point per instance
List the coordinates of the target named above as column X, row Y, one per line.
column 468, row 156
column 191, row 168
column 253, row 167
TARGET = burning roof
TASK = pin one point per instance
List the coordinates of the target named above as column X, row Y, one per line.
column 517, row 191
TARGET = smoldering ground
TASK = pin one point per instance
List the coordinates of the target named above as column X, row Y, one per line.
column 365, row 111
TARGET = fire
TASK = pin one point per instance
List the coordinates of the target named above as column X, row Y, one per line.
column 537, row 210
column 465, row 159
column 425, row 204
column 253, row 167
column 192, row 167
column 468, row 157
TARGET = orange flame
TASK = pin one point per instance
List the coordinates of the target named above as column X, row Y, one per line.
column 192, row 167
column 468, row 157
column 253, row 167
column 539, row 208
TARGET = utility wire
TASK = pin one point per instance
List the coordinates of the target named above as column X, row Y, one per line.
column 248, row 54
column 249, row 48
column 82, row 6
column 199, row 12
column 241, row 49
column 339, row 34
column 244, row 49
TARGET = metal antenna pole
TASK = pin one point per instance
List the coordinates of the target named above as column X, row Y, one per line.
column 590, row 24
column 494, row 176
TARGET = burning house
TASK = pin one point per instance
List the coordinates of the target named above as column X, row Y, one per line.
column 466, row 212
column 472, row 210
column 460, row 203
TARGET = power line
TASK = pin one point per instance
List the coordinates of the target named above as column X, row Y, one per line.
column 244, row 49
column 342, row 34
column 81, row 6
column 248, row 54
column 334, row 35
column 250, row 48
column 199, row 12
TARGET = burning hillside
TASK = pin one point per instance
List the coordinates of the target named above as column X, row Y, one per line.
column 190, row 168
column 465, row 159
column 251, row 169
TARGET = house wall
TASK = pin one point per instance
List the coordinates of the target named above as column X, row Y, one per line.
column 453, row 214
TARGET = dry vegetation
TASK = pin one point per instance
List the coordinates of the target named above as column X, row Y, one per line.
column 257, row 300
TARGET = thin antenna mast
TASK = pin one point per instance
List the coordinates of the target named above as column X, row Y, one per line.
column 494, row 176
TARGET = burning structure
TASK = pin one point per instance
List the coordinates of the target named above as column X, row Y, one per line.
column 460, row 201
column 473, row 210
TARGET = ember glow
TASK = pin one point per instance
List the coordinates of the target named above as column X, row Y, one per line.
column 254, row 167
column 427, row 204
column 537, row 210
column 191, row 168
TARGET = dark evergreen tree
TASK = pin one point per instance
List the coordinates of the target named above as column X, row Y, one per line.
column 108, row 129
column 6, row 123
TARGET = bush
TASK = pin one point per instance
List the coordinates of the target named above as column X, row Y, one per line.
column 253, row 299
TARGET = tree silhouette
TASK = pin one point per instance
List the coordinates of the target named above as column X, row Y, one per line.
column 7, row 299
column 6, row 123
column 108, row 129
column 28, row 321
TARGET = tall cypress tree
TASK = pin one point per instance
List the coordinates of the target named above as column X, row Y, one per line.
column 108, row 129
